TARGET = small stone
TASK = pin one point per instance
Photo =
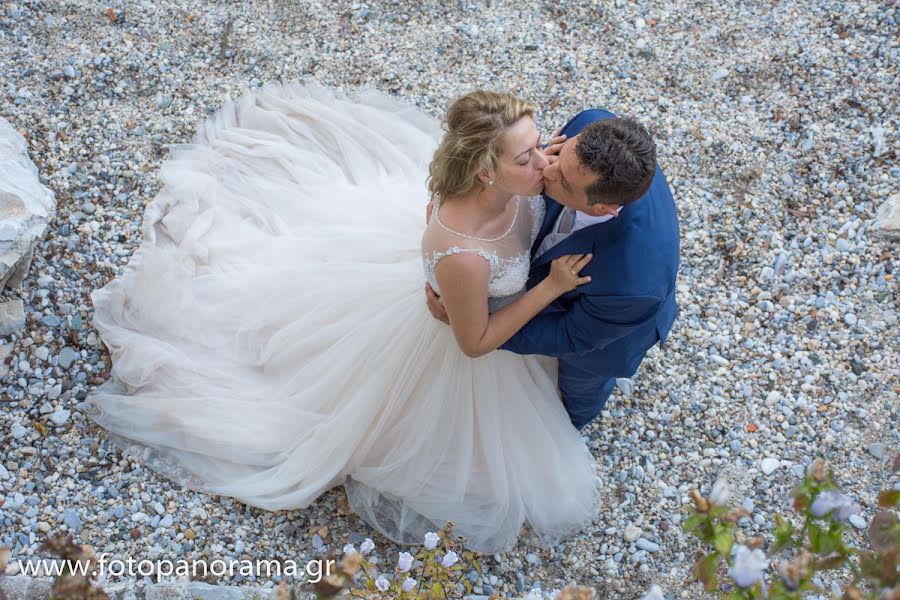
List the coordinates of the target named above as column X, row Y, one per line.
column 857, row 521
column 51, row 320
column 850, row 319
column 647, row 545
column 631, row 533
column 72, row 520
column 878, row 450
column 769, row 465
column 67, row 356
column 190, row 534
column 625, row 385
column 17, row 431
column 60, row 417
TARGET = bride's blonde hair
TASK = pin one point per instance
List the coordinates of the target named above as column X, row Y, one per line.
column 474, row 127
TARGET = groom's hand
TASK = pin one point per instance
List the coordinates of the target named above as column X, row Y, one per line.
column 435, row 306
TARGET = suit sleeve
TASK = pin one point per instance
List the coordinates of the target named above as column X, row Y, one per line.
column 591, row 324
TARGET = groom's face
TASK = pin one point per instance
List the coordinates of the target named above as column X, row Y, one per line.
column 566, row 181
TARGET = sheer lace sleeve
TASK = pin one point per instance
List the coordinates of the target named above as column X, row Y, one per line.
column 507, row 255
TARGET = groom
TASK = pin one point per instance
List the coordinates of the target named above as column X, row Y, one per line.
column 604, row 195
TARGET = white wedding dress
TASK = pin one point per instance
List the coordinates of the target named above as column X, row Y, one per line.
column 270, row 338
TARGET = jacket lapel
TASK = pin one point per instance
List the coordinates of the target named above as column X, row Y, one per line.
column 579, row 242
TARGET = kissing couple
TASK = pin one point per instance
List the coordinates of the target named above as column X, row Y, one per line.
column 270, row 339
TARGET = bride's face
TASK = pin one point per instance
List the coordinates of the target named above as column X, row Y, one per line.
column 521, row 164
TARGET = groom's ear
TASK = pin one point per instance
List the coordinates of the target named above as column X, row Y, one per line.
column 599, row 209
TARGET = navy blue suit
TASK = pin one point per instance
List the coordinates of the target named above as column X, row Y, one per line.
column 603, row 329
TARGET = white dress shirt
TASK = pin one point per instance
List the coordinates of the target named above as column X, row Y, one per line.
column 582, row 220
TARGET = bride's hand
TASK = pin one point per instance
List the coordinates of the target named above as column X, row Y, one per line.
column 564, row 272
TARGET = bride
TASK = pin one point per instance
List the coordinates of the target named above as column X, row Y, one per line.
column 270, row 341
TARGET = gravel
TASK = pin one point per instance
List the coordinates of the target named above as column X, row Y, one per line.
column 777, row 129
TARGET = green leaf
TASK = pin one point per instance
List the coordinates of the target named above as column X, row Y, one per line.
column 820, row 542
column 437, row 590
column 784, row 533
column 693, row 522
column 723, row 540
column 706, row 571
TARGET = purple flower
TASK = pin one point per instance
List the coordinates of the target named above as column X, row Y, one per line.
column 832, row 500
column 367, row 546
column 450, row 559
column 431, row 540
column 655, row 593
column 748, row 566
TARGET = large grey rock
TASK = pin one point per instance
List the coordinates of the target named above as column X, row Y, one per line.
column 887, row 219
column 24, row 587
column 26, row 206
column 196, row 589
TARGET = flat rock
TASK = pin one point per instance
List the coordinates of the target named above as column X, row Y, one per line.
column 769, row 465
column 26, row 206
column 887, row 219
column 12, row 317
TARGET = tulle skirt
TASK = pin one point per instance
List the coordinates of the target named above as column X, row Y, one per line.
column 269, row 339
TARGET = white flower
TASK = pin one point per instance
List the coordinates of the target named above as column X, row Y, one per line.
column 382, row 583
column 748, row 565
column 449, row 559
column 408, row 584
column 656, row 592
column 534, row 594
column 405, row 561
column 367, row 546
column 431, row 540
column 349, row 549
column 720, row 492
column 832, row 500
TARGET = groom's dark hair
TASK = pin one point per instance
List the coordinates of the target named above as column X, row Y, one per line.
column 622, row 154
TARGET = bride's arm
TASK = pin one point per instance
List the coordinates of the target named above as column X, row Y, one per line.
column 463, row 280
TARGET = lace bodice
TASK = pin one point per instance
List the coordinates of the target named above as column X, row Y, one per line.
column 509, row 255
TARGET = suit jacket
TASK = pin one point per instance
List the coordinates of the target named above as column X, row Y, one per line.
column 604, row 328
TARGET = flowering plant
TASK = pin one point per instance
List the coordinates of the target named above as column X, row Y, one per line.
column 435, row 571
column 816, row 545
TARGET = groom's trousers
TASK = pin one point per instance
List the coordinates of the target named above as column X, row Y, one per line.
column 584, row 394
